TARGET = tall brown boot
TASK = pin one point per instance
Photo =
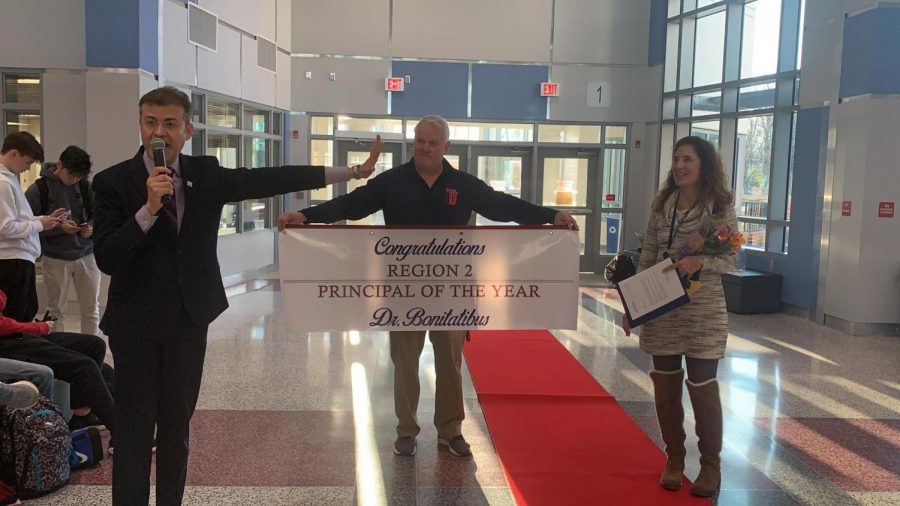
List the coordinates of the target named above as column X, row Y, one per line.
column 670, row 413
column 708, row 412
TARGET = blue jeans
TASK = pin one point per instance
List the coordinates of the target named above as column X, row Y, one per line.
column 40, row 375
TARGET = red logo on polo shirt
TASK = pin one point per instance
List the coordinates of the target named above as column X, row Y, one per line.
column 452, row 195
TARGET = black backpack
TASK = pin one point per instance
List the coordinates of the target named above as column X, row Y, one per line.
column 620, row 268
column 83, row 185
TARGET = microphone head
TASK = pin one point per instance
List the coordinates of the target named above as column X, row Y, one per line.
column 159, row 151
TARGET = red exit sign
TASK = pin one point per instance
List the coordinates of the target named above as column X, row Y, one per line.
column 394, row 84
column 549, row 89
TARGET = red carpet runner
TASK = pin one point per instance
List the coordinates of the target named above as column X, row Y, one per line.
column 561, row 438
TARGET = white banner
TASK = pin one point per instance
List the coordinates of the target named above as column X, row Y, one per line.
column 384, row 278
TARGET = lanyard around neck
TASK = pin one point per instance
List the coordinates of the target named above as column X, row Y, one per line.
column 672, row 228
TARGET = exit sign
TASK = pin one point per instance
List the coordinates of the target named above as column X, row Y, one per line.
column 549, row 89
column 394, row 84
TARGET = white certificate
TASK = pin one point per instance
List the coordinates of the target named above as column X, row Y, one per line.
column 651, row 293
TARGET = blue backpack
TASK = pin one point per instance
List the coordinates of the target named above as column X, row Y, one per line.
column 34, row 448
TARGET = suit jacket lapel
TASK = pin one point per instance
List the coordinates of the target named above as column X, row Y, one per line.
column 138, row 172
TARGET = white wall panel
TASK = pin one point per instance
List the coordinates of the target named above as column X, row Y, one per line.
column 283, row 81
column 257, row 84
column 42, row 34
column 346, row 27
column 632, row 94
column 111, row 122
column 239, row 13
column 283, row 23
column 221, row 71
column 601, row 31
column 358, row 87
column 862, row 280
column 64, row 113
column 267, row 18
column 498, row 30
column 179, row 58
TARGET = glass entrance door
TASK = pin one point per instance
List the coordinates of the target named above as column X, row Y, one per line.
column 568, row 181
column 505, row 169
column 355, row 152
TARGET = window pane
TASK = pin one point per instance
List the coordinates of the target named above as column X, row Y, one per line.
column 22, row 88
column 761, row 96
column 565, row 182
column 759, row 47
column 704, row 3
column 753, row 161
column 223, row 114
column 706, row 103
column 256, row 120
column 321, row 153
column 585, row 134
column 674, row 7
column 197, row 147
column 497, row 132
column 790, row 185
column 613, row 177
column 502, row 173
column 276, row 124
column 322, row 125
column 616, row 134
column 256, row 213
column 376, row 125
column 225, row 148
column 666, row 143
column 708, row 130
column 668, row 108
column 754, row 233
column 710, row 49
column 276, row 153
column 26, row 122
column 672, row 33
column 197, row 108
column 385, row 162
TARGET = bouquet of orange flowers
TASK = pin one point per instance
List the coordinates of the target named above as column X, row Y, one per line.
column 713, row 237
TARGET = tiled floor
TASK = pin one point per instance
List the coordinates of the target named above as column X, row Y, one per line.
column 812, row 416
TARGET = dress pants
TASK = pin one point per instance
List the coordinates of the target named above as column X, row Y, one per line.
column 449, row 412
column 158, row 373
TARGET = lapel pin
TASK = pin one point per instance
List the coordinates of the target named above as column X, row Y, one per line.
column 190, row 184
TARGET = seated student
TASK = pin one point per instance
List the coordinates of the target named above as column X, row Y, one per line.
column 75, row 358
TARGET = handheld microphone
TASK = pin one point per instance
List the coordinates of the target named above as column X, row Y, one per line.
column 159, row 159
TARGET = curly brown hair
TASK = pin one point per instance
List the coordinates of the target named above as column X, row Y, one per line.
column 712, row 177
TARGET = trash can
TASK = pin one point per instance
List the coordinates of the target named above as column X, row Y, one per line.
column 752, row 292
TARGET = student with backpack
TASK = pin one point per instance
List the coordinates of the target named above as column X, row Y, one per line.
column 68, row 252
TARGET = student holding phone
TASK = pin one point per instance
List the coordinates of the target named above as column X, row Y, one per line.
column 68, row 252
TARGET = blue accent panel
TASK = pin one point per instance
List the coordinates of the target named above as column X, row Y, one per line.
column 871, row 52
column 434, row 88
column 122, row 33
column 800, row 267
column 508, row 91
column 656, row 50
column 149, row 35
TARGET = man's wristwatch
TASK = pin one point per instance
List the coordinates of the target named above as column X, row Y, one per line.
column 355, row 171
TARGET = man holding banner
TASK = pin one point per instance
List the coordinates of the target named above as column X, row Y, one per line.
column 427, row 190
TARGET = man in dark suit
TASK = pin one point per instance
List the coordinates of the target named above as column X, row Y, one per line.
column 166, row 286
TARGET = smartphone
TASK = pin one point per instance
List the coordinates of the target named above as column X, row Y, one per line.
column 82, row 225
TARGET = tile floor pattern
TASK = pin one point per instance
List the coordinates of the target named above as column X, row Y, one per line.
column 812, row 415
